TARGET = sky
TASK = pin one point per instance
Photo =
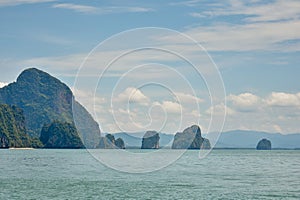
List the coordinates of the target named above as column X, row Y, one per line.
column 164, row 65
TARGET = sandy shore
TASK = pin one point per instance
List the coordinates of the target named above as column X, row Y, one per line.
column 13, row 148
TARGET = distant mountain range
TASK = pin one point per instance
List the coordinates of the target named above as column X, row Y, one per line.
column 229, row 139
column 249, row 139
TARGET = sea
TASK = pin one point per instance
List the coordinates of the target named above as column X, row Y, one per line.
column 221, row 174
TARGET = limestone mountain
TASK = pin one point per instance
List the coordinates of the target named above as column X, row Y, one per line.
column 190, row 138
column 13, row 130
column 45, row 99
column 150, row 140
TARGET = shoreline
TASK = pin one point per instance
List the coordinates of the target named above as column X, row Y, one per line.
column 21, row 148
column 133, row 148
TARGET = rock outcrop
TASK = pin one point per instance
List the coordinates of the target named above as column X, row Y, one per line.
column 120, row 143
column 45, row 99
column 150, row 140
column 264, row 144
column 205, row 144
column 190, row 138
column 109, row 142
column 61, row 135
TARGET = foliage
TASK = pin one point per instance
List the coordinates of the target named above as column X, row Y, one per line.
column 13, row 130
column 60, row 135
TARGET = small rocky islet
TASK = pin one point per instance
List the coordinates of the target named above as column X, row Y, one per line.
column 264, row 144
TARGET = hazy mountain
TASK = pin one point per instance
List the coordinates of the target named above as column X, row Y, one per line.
column 230, row 139
column 249, row 139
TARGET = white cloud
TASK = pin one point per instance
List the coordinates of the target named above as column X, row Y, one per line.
column 132, row 95
column 101, row 10
column 267, row 25
column 171, row 107
column 220, row 110
column 187, row 98
column 253, row 12
column 283, row 99
column 276, row 112
column 76, row 7
column 3, row 84
column 244, row 102
column 19, row 2
column 245, row 37
column 191, row 3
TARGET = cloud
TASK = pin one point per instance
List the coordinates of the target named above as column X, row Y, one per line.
column 170, row 106
column 248, row 102
column 245, row 102
column 76, row 7
column 219, row 110
column 187, row 98
column 19, row 2
column 101, row 10
column 273, row 36
column 275, row 112
column 264, row 25
column 190, row 3
column 3, row 84
column 254, row 12
column 283, row 99
column 132, row 95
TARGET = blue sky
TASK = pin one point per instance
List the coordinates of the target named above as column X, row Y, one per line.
column 255, row 45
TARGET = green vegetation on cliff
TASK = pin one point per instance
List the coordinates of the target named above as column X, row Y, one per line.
column 13, row 130
column 45, row 99
column 60, row 135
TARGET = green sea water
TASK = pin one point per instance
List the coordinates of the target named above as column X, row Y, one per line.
column 223, row 174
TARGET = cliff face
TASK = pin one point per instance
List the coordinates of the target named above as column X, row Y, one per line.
column 150, row 140
column 120, row 143
column 109, row 142
column 61, row 135
column 13, row 130
column 45, row 99
column 264, row 144
column 206, row 144
column 190, row 138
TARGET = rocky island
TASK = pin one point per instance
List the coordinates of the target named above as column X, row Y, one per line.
column 44, row 99
column 109, row 142
column 264, row 144
column 150, row 140
column 190, row 138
